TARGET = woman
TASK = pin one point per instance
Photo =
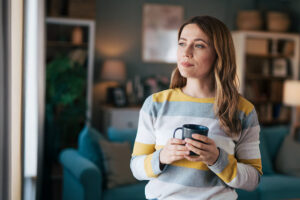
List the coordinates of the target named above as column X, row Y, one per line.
column 203, row 90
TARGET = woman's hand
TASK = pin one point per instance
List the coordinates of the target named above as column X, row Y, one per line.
column 174, row 150
column 206, row 150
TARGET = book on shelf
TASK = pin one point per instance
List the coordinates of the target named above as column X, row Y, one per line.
column 257, row 46
column 276, row 88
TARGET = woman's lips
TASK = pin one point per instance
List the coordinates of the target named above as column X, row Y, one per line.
column 186, row 64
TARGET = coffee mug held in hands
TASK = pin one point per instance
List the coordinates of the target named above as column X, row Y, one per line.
column 188, row 129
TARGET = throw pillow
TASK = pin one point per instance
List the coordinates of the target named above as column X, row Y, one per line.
column 274, row 136
column 117, row 163
column 88, row 145
column 288, row 158
column 120, row 135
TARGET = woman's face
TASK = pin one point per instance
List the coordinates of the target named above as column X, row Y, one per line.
column 195, row 53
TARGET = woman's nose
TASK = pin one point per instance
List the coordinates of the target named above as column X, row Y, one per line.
column 188, row 51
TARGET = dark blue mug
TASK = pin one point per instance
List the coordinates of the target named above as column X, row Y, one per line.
column 188, row 129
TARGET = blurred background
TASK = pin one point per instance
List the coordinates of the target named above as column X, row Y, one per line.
column 75, row 73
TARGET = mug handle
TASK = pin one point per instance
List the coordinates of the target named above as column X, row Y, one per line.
column 177, row 130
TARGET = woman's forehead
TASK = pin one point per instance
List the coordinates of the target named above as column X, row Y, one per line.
column 193, row 32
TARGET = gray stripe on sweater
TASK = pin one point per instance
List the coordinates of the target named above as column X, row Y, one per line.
column 190, row 177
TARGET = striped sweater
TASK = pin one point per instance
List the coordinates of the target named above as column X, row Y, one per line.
column 238, row 165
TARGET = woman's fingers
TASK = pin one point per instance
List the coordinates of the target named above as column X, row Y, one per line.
column 203, row 138
column 195, row 149
column 178, row 147
column 176, row 141
column 197, row 144
column 174, row 150
column 194, row 158
column 175, row 158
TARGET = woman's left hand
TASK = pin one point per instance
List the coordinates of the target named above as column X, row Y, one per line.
column 206, row 150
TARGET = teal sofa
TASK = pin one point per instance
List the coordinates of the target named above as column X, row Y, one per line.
column 272, row 186
column 83, row 170
column 84, row 178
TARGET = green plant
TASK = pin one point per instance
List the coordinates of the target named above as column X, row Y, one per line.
column 65, row 101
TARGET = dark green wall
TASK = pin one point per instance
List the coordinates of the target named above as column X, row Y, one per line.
column 119, row 25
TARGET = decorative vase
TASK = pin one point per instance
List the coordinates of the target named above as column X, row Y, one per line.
column 249, row 20
column 77, row 36
column 278, row 21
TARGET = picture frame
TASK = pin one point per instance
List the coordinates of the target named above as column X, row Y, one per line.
column 160, row 29
column 280, row 67
column 117, row 96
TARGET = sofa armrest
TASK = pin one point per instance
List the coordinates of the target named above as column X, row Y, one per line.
column 84, row 171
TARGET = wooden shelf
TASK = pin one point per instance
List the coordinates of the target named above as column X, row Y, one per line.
column 265, row 102
column 269, row 56
column 65, row 44
column 252, row 76
column 257, row 69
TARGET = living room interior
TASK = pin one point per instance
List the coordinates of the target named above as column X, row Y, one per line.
column 104, row 58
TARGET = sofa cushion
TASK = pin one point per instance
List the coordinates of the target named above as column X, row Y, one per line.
column 88, row 145
column 128, row 192
column 274, row 137
column 246, row 195
column 116, row 159
column 118, row 135
column 267, row 166
column 288, row 158
column 274, row 187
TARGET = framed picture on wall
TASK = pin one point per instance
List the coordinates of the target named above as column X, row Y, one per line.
column 160, row 28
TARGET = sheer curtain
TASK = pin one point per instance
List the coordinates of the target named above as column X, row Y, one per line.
column 34, row 98
column 11, row 68
column 4, row 139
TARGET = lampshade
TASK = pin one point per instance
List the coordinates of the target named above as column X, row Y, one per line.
column 291, row 93
column 113, row 70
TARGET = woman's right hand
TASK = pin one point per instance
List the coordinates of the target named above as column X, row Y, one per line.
column 174, row 150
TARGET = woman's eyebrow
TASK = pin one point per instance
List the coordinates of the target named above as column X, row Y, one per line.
column 197, row 39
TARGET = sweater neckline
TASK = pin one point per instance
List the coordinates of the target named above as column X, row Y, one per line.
column 202, row 100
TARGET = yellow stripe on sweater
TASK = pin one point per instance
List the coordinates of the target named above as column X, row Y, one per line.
column 148, row 166
column 230, row 171
column 178, row 95
column 142, row 149
column 189, row 164
column 245, row 106
column 158, row 147
column 256, row 163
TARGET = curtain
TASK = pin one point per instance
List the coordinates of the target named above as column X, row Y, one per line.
column 4, row 112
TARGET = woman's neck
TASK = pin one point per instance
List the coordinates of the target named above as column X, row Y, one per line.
column 199, row 88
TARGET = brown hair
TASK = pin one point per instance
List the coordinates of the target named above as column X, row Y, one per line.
column 226, row 83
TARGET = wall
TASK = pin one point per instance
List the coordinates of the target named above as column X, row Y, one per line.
column 119, row 29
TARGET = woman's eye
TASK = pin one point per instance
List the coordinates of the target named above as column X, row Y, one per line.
column 181, row 44
column 199, row 46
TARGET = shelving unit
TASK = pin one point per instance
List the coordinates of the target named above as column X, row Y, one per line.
column 264, row 61
column 59, row 34
column 59, row 46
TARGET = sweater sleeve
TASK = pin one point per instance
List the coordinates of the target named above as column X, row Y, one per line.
column 144, row 162
column 242, row 170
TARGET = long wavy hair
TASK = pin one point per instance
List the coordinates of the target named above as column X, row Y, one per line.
column 224, row 71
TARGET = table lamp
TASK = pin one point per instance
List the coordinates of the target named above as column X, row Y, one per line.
column 113, row 70
column 291, row 97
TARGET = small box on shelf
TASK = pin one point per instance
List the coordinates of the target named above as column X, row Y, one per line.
column 280, row 67
column 257, row 46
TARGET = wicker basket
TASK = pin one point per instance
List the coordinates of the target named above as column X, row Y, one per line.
column 278, row 21
column 249, row 20
column 82, row 9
